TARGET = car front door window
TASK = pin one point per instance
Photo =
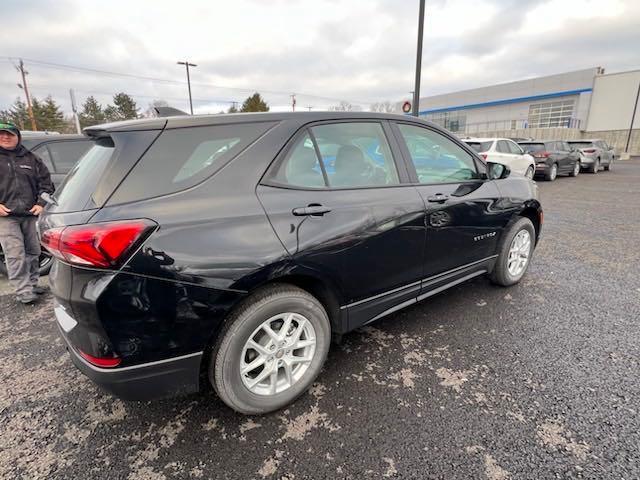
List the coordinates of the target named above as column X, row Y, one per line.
column 436, row 158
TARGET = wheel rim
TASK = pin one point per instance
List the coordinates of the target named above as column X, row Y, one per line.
column 554, row 171
column 519, row 253
column 529, row 173
column 277, row 354
column 576, row 169
column 45, row 260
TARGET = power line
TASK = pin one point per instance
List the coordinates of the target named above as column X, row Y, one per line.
column 177, row 82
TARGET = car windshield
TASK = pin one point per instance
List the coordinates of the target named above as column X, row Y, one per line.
column 581, row 144
column 533, row 147
column 480, row 146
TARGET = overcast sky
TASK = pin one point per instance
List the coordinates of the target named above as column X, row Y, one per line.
column 361, row 51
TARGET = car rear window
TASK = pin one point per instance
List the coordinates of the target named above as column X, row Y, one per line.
column 533, row 147
column 480, row 146
column 581, row 144
column 184, row 157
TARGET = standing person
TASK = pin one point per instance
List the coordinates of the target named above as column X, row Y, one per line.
column 23, row 177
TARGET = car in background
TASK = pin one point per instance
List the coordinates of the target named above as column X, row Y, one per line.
column 221, row 248
column 505, row 151
column 59, row 153
column 553, row 158
column 594, row 154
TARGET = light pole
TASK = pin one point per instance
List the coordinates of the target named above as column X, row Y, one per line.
column 187, row 65
column 416, row 90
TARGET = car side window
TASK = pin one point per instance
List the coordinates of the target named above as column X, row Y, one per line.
column 515, row 149
column 502, row 147
column 339, row 155
column 437, row 159
column 66, row 154
column 43, row 153
column 301, row 167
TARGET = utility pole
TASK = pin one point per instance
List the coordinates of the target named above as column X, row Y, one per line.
column 187, row 65
column 24, row 86
column 633, row 117
column 293, row 102
column 309, row 107
column 74, row 108
column 416, row 90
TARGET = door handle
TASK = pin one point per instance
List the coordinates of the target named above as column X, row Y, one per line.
column 438, row 198
column 316, row 210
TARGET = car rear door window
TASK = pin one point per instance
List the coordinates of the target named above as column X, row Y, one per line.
column 184, row 157
column 339, row 155
column 64, row 155
column 436, row 158
column 502, row 147
column 480, row 146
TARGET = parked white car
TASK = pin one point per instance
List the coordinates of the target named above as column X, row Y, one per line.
column 505, row 151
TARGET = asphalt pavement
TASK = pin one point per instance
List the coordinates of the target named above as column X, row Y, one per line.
column 537, row 381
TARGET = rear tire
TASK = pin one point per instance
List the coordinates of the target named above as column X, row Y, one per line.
column 530, row 172
column 607, row 168
column 595, row 166
column 245, row 341
column 552, row 174
column 514, row 253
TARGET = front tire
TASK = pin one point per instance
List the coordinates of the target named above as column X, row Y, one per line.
column 576, row 170
column 515, row 251
column 271, row 350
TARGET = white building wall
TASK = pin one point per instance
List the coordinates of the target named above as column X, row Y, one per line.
column 613, row 100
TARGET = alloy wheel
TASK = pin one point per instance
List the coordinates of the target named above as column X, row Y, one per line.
column 519, row 253
column 529, row 173
column 277, row 354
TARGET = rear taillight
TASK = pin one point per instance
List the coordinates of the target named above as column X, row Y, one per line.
column 541, row 154
column 104, row 362
column 103, row 245
column 589, row 150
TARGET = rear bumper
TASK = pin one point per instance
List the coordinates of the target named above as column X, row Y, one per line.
column 148, row 381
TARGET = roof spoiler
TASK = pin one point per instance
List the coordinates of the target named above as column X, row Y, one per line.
column 168, row 112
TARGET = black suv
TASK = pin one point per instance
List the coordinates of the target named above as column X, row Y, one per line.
column 231, row 248
column 59, row 153
column 553, row 157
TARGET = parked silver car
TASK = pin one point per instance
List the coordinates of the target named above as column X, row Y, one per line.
column 594, row 154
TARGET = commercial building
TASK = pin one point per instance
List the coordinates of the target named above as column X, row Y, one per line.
column 579, row 104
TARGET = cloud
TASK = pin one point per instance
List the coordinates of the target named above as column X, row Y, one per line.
column 361, row 51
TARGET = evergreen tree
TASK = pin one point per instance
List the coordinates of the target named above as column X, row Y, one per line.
column 124, row 108
column 92, row 113
column 17, row 114
column 254, row 103
column 49, row 116
column 233, row 109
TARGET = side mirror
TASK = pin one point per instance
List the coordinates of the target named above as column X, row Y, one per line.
column 497, row 171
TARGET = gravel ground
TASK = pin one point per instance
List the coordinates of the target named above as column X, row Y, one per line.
column 537, row 381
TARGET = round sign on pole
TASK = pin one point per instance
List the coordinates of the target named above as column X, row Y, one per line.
column 406, row 107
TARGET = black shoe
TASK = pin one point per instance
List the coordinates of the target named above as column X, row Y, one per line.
column 38, row 290
column 27, row 298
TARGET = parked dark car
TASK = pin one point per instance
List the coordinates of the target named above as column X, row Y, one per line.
column 553, row 158
column 594, row 154
column 221, row 249
column 59, row 153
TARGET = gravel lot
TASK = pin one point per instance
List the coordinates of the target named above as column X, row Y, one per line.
column 536, row 381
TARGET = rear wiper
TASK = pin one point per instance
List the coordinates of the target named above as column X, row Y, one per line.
column 49, row 198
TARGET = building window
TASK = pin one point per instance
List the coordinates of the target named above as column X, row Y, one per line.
column 453, row 121
column 551, row 114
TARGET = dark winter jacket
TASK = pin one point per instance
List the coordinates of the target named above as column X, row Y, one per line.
column 23, row 177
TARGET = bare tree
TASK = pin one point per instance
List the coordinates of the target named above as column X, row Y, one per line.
column 150, row 111
column 342, row 107
column 383, row 107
